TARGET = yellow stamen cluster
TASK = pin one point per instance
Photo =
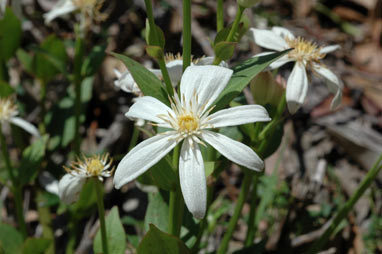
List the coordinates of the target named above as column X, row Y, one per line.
column 169, row 57
column 97, row 166
column 304, row 51
column 8, row 109
column 188, row 123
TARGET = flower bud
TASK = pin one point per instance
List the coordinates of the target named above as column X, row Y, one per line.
column 247, row 3
column 266, row 90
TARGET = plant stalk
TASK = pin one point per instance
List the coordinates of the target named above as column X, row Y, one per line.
column 344, row 211
column 101, row 214
column 186, row 33
column 219, row 15
column 248, row 176
column 251, row 220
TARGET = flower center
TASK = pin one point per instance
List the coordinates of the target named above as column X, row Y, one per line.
column 95, row 167
column 7, row 109
column 304, row 50
column 188, row 123
column 169, row 57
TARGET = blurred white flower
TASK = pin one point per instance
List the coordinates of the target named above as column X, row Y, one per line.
column 79, row 171
column 89, row 9
column 306, row 55
column 189, row 120
column 3, row 5
column 8, row 114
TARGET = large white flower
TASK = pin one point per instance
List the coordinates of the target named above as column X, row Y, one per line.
column 8, row 114
column 189, row 121
column 306, row 55
column 70, row 185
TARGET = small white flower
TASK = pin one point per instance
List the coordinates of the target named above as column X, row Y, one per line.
column 70, row 185
column 189, row 120
column 174, row 65
column 8, row 114
column 306, row 55
column 89, row 9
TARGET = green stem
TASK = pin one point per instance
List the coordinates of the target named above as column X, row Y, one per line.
column 45, row 219
column 186, row 33
column 78, row 59
column 134, row 138
column 219, row 16
column 16, row 189
column 269, row 128
column 235, row 217
column 42, row 127
column 251, row 220
column 161, row 61
column 101, row 214
column 236, row 22
column 176, row 202
column 344, row 211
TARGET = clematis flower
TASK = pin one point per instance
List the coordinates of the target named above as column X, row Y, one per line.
column 189, row 119
column 8, row 114
column 306, row 55
column 174, row 65
column 90, row 9
column 70, row 185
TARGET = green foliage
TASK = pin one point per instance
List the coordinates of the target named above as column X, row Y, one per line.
column 242, row 29
column 243, row 73
column 31, row 160
column 10, row 35
column 155, row 52
column 149, row 84
column 162, row 175
column 50, row 58
column 10, row 240
column 115, row 234
column 151, row 36
column 158, row 242
column 86, row 201
column 157, row 211
column 5, row 89
column 35, row 246
column 224, row 50
column 92, row 62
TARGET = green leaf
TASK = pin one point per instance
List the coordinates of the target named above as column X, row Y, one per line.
column 5, row 89
column 92, row 63
column 26, row 60
column 209, row 167
column 10, row 34
column 158, row 242
column 31, row 160
column 10, row 239
column 242, row 29
column 35, row 246
column 50, row 58
column 149, row 84
column 150, row 37
column 274, row 141
column 86, row 201
column 163, row 175
column 224, row 50
column 155, row 52
column 243, row 73
column 115, row 234
column 157, row 211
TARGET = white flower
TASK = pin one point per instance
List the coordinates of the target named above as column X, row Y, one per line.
column 8, row 114
column 306, row 55
column 189, row 120
column 70, row 185
column 89, row 8
column 3, row 5
column 174, row 65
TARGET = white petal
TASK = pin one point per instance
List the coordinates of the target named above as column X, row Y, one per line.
column 61, row 8
column 238, row 115
column 233, row 150
column 268, row 39
column 333, row 83
column 329, row 49
column 25, row 125
column 283, row 32
column 69, row 188
column 207, row 82
column 193, row 178
column 149, row 108
column 126, row 83
column 297, row 87
column 143, row 156
column 175, row 71
column 209, row 61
